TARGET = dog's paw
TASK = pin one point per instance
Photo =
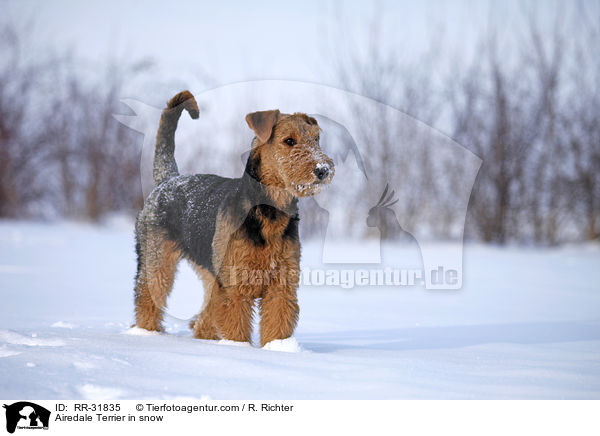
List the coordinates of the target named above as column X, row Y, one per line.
column 289, row 345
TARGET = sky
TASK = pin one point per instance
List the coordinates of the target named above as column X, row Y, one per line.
column 234, row 41
column 204, row 45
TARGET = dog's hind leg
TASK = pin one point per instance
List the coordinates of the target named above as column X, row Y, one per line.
column 157, row 264
column 204, row 323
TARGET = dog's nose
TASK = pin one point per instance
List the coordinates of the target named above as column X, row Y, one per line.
column 321, row 171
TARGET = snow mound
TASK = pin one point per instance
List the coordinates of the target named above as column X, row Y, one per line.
column 63, row 325
column 5, row 352
column 33, row 341
column 188, row 398
column 289, row 345
column 136, row 331
column 93, row 392
column 234, row 343
column 84, row 366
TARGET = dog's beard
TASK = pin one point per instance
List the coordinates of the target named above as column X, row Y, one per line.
column 307, row 189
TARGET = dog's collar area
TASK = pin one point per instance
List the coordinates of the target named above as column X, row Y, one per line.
column 259, row 193
column 272, row 213
column 252, row 167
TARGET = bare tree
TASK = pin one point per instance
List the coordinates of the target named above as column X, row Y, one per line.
column 581, row 126
column 378, row 70
column 20, row 154
column 61, row 151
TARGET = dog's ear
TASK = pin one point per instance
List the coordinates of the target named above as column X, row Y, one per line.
column 310, row 120
column 262, row 123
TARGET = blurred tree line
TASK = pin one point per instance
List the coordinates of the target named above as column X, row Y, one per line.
column 529, row 109
column 527, row 103
column 62, row 154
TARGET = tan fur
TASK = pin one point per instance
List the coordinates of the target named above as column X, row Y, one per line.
column 203, row 324
column 155, row 282
column 229, row 311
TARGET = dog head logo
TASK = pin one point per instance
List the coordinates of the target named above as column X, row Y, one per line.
column 26, row 415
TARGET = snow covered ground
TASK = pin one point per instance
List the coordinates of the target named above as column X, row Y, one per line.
column 525, row 325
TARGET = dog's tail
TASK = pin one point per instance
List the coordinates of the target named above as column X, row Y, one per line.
column 165, row 166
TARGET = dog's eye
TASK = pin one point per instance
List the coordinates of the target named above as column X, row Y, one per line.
column 318, row 138
column 290, row 141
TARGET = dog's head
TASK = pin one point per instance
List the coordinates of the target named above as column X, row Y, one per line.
column 287, row 147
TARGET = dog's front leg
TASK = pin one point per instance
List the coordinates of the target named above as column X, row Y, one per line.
column 279, row 304
column 278, row 311
column 234, row 307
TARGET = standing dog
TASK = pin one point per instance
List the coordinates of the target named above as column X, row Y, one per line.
column 240, row 235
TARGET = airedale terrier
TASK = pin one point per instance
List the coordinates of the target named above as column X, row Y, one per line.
column 240, row 234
